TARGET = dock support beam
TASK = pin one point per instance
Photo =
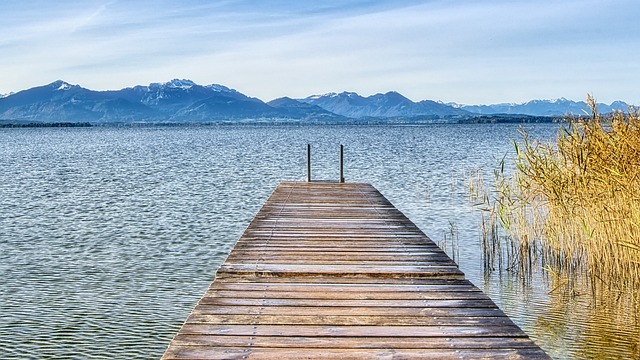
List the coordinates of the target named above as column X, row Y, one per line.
column 341, row 163
column 308, row 162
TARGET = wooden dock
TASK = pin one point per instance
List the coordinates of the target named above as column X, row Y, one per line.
column 334, row 270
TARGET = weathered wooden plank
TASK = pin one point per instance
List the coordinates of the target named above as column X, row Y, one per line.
column 355, row 331
column 355, row 303
column 325, row 244
column 344, row 287
column 424, row 271
column 347, row 295
column 354, row 232
column 319, row 342
column 339, row 244
column 279, row 256
column 322, row 261
column 205, row 309
column 323, row 279
column 360, row 255
column 345, row 320
column 227, row 353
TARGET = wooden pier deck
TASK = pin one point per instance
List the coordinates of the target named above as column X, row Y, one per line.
column 334, row 270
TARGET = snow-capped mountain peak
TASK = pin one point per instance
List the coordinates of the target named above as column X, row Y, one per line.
column 180, row 84
column 60, row 85
column 349, row 94
column 218, row 88
column 319, row 96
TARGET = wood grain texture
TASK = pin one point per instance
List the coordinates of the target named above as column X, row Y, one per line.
column 334, row 270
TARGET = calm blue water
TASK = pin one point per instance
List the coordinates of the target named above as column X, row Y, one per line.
column 109, row 236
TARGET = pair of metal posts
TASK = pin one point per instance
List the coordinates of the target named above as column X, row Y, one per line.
column 309, row 163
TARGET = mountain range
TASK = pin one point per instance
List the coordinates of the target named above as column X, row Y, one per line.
column 183, row 101
column 557, row 107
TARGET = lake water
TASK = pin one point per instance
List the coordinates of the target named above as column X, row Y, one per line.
column 109, row 236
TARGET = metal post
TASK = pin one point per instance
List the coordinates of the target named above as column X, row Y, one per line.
column 341, row 163
column 308, row 162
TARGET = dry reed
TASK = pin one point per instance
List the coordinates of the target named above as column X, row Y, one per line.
column 573, row 205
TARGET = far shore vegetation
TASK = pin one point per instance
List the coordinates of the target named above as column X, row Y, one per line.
column 571, row 206
column 417, row 120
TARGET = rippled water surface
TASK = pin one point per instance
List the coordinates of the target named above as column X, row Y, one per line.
column 109, row 236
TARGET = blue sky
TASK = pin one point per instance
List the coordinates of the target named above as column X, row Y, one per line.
column 482, row 51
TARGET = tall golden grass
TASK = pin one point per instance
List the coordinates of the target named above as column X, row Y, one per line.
column 574, row 204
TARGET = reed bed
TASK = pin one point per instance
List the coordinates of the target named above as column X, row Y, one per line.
column 572, row 206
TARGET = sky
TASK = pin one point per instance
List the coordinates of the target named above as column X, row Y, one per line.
column 464, row 51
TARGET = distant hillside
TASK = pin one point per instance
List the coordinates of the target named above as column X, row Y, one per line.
column 300, row 110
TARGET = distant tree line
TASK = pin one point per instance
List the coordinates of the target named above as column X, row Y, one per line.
column 44, row 124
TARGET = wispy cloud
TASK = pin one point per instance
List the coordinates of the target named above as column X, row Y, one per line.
column 468, row 51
